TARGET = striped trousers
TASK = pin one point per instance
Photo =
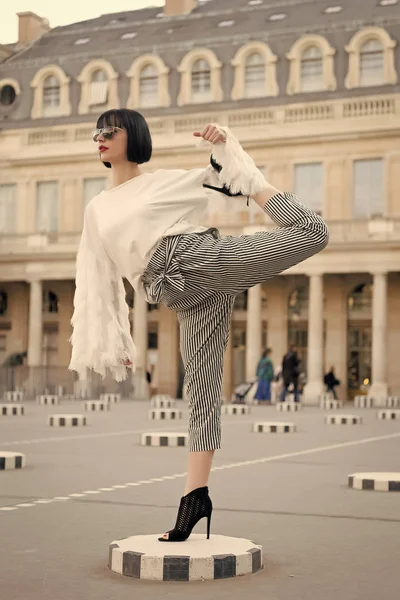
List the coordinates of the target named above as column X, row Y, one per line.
column 199, row 275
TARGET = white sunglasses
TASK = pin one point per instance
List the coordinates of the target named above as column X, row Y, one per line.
column 107, row 133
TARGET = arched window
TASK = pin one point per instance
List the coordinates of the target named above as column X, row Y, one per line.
column 372, row 63
column 51, row 96
column 311, row 71
column 98, row 90
column 254, row 76
column 201, row 81
column 148, row 87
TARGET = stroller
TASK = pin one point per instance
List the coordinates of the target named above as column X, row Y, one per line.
column 241, row 392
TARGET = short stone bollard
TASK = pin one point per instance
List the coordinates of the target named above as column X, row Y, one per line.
column 235, row 409
column 343, row 420
column 378, row 482
column 288, row 406
column 97, row 405
column 67, row 421
column 157, row 414
column 274, row 427
column 164, row 438
column 11, row 460
column 389, row 415
column 47, row 400
column 12, row 410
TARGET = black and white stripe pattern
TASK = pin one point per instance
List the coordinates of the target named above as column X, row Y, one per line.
column 13, row 396
column 235, row 409
column 328, row 404
column 66, row 420
column 343, row 420
column 143, row 560
column 389, row 415
column 164, row 439
column 288, row 406
column 114, row 398
column 158, row 414
column 274, row 427
column 162, row 402
column 363, row 402
column 47, row 400
column 378, row 482
column 97, row 405
column 12, row 410
column 199, row 276
column 11, row 460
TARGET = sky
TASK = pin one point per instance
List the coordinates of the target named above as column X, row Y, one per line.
column 62, row 13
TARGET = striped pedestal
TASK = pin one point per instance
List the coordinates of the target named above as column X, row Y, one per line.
column 288, row 406
column 12, row 410
column 11, row 460
column 328, row 404
column 343, row 420
column 235, row 409
column 13, row 396
column 363, row 402
column 378, row 482
column 197, row 559
column 161, row 402
column 157, row 414
column 67, row 420
column 47, row 400
column 164, row 439
column 114, row 398
column 97, row 405
column 389, row 415
column 274, row 427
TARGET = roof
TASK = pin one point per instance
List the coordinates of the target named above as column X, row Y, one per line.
column 153, row 30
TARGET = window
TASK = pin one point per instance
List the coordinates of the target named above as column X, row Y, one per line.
column 309, row 185
column 49, row 302
column 368, row 199
column 254, row 77
column 91, row 188
column 311, row 74
column 371, row 59
column 51, row 96
column 8, row 212
column 47, row 207
column 201, row 81
column 148, row 88
column 311, row 65
column 372, row 63
column 98, row 90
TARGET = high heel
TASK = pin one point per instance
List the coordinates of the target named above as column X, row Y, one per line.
column 194, row 506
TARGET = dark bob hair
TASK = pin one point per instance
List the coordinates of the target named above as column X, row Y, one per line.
column 140, row 145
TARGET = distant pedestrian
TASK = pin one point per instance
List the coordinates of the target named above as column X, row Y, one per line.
column 331, row 382
column 265, row 374
column 290, row 373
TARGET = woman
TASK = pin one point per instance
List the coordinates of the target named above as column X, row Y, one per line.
column 265, row 374
column 147, row 228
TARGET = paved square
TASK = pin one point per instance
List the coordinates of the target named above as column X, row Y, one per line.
column 83, row 488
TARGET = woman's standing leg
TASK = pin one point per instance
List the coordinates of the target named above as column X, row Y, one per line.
column 204, row 333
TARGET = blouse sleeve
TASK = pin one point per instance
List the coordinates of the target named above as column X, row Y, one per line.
column 101, row 335
column 232, row 171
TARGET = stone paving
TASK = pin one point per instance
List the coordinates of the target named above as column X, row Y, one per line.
column 83, row 487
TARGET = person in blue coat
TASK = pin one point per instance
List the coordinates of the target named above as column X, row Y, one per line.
column 265, row 374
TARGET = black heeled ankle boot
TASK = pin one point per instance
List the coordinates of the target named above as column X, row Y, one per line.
column 194, row 506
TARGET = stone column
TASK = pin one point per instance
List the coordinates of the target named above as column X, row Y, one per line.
column 379, row 387
column 336, row 330
column 35, row 324
column 227, row 386
column 315, row 386
column 253, row 331
column 277, row 319
column 140, row 341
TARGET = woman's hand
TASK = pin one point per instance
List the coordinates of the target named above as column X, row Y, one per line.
column 127, row 362
column 211, row 133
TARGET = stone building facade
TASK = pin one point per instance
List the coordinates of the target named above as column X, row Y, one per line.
column 310, row 88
